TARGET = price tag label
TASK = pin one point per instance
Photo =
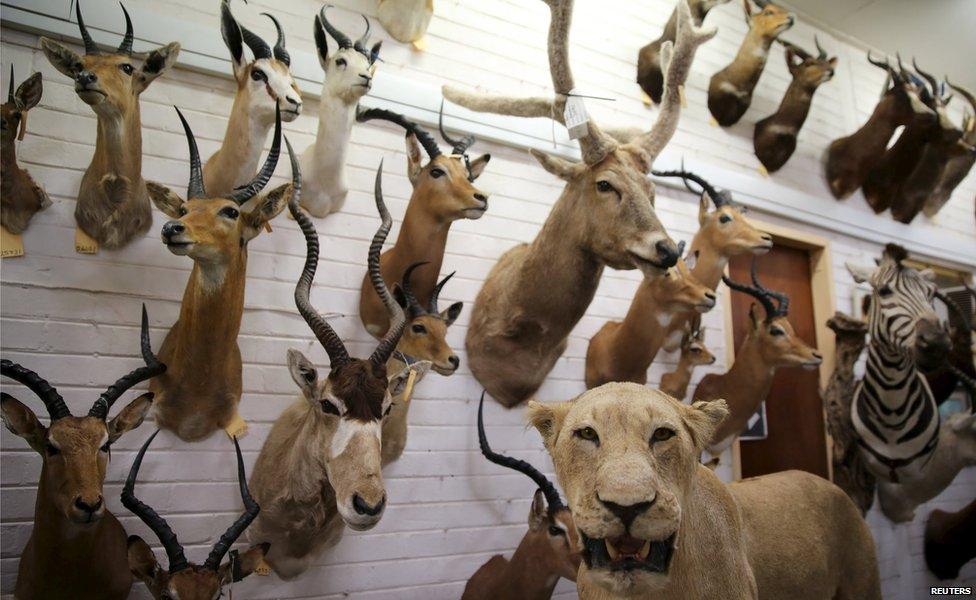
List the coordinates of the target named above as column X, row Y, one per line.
column 575, row 116
column 237, row 428
column 84, row 243
column 11, row 245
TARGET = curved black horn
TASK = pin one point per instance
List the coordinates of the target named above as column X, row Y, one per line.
column 360, row 44
column 459, row 146
column 425, row 139
column 822, row 54
column 159, row 526
column 259, row 47
column 755, row 293
column 153, row 368
column 413, row 307
column 279, row 48
column 968, row 95
column 126, row 46
column 719, row 199
column 245, row 192
column 48, row 394
column 251, row 510
column 932, row 81
column 195, row 188
column 549, row 490
column 782, row 299
column 10, row 90
column 432, row 305
column 340, row 38
column 90, row 46
column 397, row 320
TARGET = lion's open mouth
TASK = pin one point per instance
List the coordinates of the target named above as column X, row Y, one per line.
column 627, row 553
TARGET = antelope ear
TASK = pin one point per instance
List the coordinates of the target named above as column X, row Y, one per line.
column 478, row 165
column 415, row 159
column 703, row 419
column 304, row 374
column 244, row 564
column 755, row 317
column 130, row 417
column 265, row 208
column 66, row 61
column 22, row 421
column 858, row 272
column 547, row 418
column 142, row 561
column 165, row 199
column 537, row 513
column 562, row 169
column 157, row 62
column 452, row 313
column 234, row 40
column 29, row 92
column 704, row 203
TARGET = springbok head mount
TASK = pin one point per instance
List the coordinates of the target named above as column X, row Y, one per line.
column 266, row 81
column 75, row 450
column 806, row 69
column 446, row 181
column 770, row 20
column 109, row 81
column 901, row 317
column 215, row 230
column 13, row 113
column 356, row 396
column 551, row 518
column 184, row 580
column 425, row 336
column 350, row 69
column 779, row 344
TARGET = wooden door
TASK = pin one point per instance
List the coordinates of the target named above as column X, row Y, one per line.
column 794, row 414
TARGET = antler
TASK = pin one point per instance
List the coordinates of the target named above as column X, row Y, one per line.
column 245, row 192
column 47, row 393
column 432, row 304
column 251, row 510
column 425, row 139
column 159, row 526
column 153, row 368
column 195, row 188
column 763, row 295
column 279, row 48
column 90, row 46
column 397, row 319
column 549, row 490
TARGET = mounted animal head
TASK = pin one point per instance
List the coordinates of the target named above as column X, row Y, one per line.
column 75, row 450
column 405, row 20
column 265, row 84
column 936, row 99
column 678, row 290
column 905, row 93
column 445, row 183
column 769, row 21
column 216, row 231
column 349, row 70
column 693, row 347
column 779, row 345
column 552, row 532
column 608, row 192
column 184, row 580
column 109, row 82
column 901, row 318
column 807, row 70
column 356, row 396
column 627, row 457
column 13, row 112
column 425, row 336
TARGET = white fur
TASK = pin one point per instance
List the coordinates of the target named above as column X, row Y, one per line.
column 348, row 429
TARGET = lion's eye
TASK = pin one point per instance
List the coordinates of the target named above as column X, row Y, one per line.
column 662, row 434
column 588, row 434
column 605, row 186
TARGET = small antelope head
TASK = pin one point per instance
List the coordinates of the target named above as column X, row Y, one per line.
column 935, row 97
column 75, row 450
column 445, row 183
column 425, row 336
column 109, row 82
column 349, row 71
column 552, row 532
column 905, row 92
column 679, row 290
column 13, row 112
column 769, row 21
column 265, row 84
column 807, row 70
column 779, row 345
column 693, row 346
column 356, row 396
column 184, row 580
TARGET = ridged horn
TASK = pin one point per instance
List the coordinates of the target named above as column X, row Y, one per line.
column 194, row 188
column 126, row 46
column 280, row 52
column 152, row 368
column 90, row 46
column 48, row 394
column 251, row 189
column 397, row 320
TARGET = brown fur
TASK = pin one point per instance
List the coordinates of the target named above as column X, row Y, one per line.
column 950, row 540
column 113, row 202
column 20, row 196
column 955, row 171
column 730, row 90
column 929, row 171
column 693, row 353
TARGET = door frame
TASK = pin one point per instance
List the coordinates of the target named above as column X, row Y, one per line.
column 824, row 307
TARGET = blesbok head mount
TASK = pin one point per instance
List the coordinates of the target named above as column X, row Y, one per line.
column 774, row 138
column 185, row 580
column 20, row 196
column 113, row 205
column 349, row 69
column 425, row 335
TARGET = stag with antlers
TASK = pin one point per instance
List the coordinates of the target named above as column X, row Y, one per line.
column 113, row 201
column 20, row 196
column 77, row 549
column 185, row 580
column 958, row 167
column 319, row 468
column 443, row 192
column 536, row 293
column 200, row 392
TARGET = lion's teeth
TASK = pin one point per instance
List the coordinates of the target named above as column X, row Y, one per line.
column 611, row 550
column 645, row 550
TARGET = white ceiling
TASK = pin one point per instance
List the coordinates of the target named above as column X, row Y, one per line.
column 941, row 34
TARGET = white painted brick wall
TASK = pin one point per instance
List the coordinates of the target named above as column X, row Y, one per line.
column 74, row 318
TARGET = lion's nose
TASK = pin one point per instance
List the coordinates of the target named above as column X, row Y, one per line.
column 627, row 513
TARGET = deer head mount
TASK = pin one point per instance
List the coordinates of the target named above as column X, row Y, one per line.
column 730, row 90
column 20, row 196
column 405, row 20
column 774, row 138
column 113, row 204
column 184, row 579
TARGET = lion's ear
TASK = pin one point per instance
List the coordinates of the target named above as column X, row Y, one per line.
column 703, row 419
column 548, row 419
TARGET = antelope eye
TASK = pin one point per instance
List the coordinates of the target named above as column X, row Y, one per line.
column 51, row 449
column 437, row 173
column 694, row 350
column 418, row 328
column 588, row 434
column 258, row 75
column 885, row 291
column 329, row 408
column 555, row 531
column 230, row 212
column 662, row 434
column 725, row 218
column 776, row 331
column 105, row 447
column 388, row 409
column 604, row 186
column 183, row 211
column 126, row 68
column 340, row 62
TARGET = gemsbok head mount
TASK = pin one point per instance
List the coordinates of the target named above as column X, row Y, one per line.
column 774, row 138
column 113, row 204
column 536, row 293
column 182, row 579
column 20, row 196
column 214, row 231
column 443, row 192
column 70, row 518
column 265, row 86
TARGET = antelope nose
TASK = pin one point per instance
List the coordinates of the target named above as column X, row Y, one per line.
column 454, row 360
column 767, row 238
column 711, row 296
column 171, row 228
column 481, row 197
column 88, row 507
column 366, row 78
column 86, row 78
column 667, row 253
column 627, row 512
column 365, row 509
column 293, row 101
column 818, row 356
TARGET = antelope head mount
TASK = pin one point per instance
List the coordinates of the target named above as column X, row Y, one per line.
column 20, row 196
column 693, row 353
column 113, row 205
column 958, row 167
column 405, row 20
column 425, row 336
column 184, row 580
column 349, row 70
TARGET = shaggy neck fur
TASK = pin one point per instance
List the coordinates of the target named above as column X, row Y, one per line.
column 236, row 162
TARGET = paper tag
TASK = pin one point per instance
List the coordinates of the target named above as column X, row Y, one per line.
column 763, row 171
column 263, row 569
column 713, row 122
column 237, row 428
column 420, row 45
column 408, row 390
column 681, row 94
column 575, row 117
column 11, row 245
column 84, row 243
column 267, row 226
column 646, row 99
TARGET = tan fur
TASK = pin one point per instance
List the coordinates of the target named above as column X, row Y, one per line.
column 20, row 196
column 730, row 90
column 693, row 353
column 405, row 20
column 113, row 203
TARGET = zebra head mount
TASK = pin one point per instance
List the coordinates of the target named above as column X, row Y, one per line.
column 901, row 316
